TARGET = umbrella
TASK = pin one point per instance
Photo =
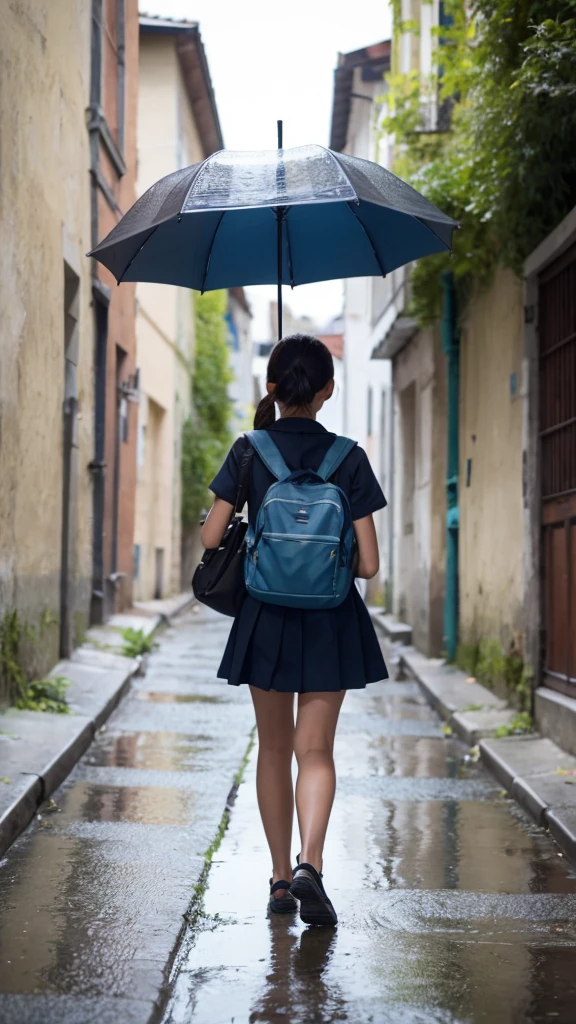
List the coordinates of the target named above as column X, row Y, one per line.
column 285, row 216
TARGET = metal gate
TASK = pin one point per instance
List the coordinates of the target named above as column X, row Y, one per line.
column 557, row 340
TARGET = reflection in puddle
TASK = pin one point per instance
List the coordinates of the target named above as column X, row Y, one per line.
column 160, row 751
column 148, row 805
column 452, row 906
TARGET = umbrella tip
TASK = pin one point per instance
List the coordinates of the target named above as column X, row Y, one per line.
column 280, row 133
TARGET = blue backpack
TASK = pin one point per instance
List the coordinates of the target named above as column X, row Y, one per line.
column 301, row 552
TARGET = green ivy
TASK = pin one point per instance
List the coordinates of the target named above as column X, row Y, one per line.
column 505, row 170
column 206, row 435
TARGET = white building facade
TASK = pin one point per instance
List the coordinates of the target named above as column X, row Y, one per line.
column 359, row 89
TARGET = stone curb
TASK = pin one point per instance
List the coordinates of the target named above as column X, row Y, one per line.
column 49, row 758
column 530, row 767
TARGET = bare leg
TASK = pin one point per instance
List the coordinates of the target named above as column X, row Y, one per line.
column 313, row 745
column 275, row 723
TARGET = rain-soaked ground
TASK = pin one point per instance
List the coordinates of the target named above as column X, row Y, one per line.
column 453, row 906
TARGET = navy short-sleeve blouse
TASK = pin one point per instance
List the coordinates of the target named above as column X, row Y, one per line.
column 298, row 650
column 303, row 444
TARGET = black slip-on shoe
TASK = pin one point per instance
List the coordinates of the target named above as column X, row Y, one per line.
column 284, row 904
column 308, row 888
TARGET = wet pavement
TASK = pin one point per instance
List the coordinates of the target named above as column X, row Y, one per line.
column 92, row 895
column 453, row 906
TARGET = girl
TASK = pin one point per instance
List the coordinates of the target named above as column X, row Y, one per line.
column 278, row 651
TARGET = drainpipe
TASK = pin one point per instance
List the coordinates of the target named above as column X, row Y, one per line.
column 451, row 348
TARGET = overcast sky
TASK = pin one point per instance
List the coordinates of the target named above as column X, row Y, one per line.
column 271, row 60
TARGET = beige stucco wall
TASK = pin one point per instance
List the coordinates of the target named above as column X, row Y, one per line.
column 167, row 139
column 44, row 218
column 419, row 491
column 491, row 516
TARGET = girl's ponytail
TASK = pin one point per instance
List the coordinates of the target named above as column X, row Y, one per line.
column 265, row 413
column 299, row 367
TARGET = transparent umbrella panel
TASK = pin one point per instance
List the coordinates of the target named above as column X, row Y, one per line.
column 225, row 222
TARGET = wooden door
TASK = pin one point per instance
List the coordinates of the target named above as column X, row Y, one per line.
column 557, row 340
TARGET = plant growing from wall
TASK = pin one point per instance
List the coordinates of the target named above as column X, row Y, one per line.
column 505, row 169
column 206, row 434
column 45, row 695
column 503, row 672
column 29, row 695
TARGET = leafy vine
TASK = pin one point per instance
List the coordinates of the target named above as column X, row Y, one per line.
column 206, row 433
column 504, row 165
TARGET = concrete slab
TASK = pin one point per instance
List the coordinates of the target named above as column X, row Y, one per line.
column 127, row 620
column 471, row 726
column 390, row 627
column 20, row 797
column 95, row 691
column 107, row 875
column 527, row 766
column 524, row 756
column 169, row 608
column 109, row 636
column 562, row 825
column 37, row 751
column 555, row 717
column 88, row 655
column 449, row 690
column 28, row 1008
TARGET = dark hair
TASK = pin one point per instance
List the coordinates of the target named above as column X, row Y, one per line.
column 300, row 366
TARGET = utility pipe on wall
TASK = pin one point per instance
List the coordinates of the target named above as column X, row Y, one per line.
column 451, row 348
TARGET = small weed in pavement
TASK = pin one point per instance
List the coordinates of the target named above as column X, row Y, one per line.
column 195, row 916
column 521, row 723
column 136, row 642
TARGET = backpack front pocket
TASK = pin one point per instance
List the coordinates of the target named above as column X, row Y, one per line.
column 294, row 565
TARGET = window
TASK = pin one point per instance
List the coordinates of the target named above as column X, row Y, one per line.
column 370, row 426
column 113, row 68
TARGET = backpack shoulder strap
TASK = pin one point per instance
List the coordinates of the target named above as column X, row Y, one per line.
column 335, row 456
column 268, row 452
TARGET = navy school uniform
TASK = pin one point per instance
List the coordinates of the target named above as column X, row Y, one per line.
column 300, row 650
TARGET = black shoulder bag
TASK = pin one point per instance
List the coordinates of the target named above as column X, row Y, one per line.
column 219, row 579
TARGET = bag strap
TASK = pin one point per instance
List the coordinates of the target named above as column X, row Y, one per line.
column 244, row 479
column 268, row 452
column 335, row 456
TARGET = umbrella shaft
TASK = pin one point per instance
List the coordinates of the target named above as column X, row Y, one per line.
column 280, row 214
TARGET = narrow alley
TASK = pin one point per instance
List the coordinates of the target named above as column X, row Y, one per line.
column 453, row 906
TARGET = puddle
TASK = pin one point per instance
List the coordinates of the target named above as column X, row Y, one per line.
column 157, row 751
column 147, row 805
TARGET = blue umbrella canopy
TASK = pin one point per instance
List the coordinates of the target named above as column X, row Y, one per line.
column 245, row 218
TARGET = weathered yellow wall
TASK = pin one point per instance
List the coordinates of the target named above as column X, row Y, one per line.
column 491, row 523
column 420, row 489
column 44, row 218
column 167, row 139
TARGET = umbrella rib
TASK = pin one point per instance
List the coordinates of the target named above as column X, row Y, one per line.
column 137, row 253
column 372, row 246
column 207, row 267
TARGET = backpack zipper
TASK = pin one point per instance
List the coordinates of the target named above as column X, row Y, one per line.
column 294, row 501
column 323, row 538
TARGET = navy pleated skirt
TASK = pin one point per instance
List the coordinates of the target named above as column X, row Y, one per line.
column 294, row 650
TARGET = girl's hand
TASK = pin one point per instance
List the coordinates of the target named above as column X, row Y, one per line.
column 216, row 523
column 368, row 555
